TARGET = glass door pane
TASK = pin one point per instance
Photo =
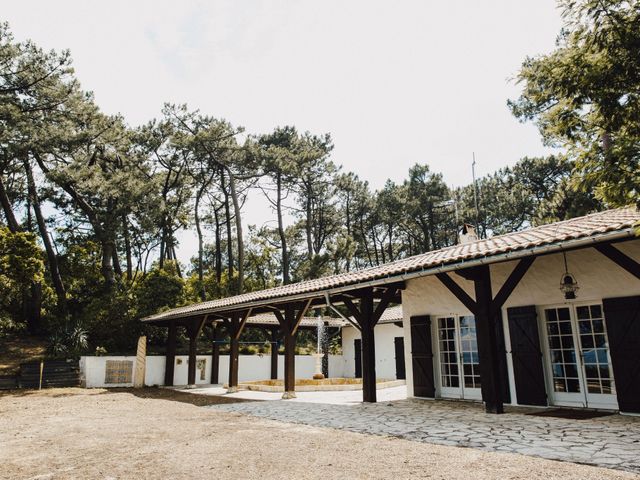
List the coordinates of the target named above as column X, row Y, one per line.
column 449, row 375
column 595, row 351
column 469, row 350
column 562, row 351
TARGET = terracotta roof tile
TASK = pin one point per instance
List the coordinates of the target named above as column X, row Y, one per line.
column 618, row 220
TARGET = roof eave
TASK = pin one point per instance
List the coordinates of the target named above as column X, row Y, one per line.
column 549, row 248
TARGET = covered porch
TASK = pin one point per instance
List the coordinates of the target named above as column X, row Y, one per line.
column 361, row 297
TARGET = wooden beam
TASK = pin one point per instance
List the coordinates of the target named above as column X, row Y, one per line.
column 511, row 283
column 170, row 356
column 274, row 353
column 280, row 317
column 353, row 310
column 301, row 313
column 243, row 322
column 387, row 297
column 486, row 334
column 457, row 290
column 621, row 259
column 368, row 349
column 234, row 352
column 215, row 355
column 289, row 352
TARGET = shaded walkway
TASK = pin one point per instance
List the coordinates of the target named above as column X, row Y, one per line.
column 611, row 441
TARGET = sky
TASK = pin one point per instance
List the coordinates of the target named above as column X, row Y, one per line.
column 394, row 82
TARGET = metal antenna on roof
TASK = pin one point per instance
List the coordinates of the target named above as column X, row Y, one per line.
column 475, row 190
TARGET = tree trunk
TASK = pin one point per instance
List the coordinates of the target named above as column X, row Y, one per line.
column 116, row 263
column 227, row 214
column 217, row 247
column 162, row 247
column 127, row 247
column 108, row 247
column 308, row 227
column 239, row 239
column 283, row 238
column 348, row 215
column 196, row 214
column 52, row 258
column 12, row 223
column 174, row 257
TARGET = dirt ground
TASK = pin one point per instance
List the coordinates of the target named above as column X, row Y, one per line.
column 157, row 433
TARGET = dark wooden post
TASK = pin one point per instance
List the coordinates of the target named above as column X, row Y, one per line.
column 236, row 326
column 367, row 317
column 193, row 330
column 324, row 345
column 215, row 354
column 234, row 352
column 274, row 353
column 486, row 331
column 170, row 356
column 193, row 344
column 486, row 310
column 289, row 323
column 290, row 335
column 368, row 349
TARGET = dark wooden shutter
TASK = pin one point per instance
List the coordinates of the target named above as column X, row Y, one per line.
column 622, row 319
column 527, row 356
column 357, row 346
column 398, row 343
column 422, row 357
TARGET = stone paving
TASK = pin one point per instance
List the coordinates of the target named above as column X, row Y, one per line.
column 612, row 441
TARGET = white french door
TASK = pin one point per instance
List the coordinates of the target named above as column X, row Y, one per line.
column 458, row 357
column 578, row 356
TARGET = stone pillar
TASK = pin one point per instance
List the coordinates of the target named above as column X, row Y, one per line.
column 141, row 359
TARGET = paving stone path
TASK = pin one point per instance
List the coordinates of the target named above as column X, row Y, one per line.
column 611, row 441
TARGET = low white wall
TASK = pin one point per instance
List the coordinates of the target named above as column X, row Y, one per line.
column 251, row 367
column 385, row 350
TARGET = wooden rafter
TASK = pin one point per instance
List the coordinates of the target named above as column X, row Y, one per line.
column 243, row 322
column 458, row 291
column 511, row 283
column 301, row 313
column 621, row 259
column 387, row 297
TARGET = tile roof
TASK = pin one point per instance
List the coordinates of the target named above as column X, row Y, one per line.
column 595, row 227
column 270, row 319
column 390, row 315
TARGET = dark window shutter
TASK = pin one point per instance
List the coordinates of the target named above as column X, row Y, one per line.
column 398, row 343
column 357, row 346
column 527, row 356
column 622, row 318
column 422, row 357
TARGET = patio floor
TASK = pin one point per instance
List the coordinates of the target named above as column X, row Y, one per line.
column 611, row 441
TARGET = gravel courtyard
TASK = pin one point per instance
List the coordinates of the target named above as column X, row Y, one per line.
column 157, row 433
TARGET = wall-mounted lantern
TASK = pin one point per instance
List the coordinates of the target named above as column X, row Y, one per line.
column 568, row 284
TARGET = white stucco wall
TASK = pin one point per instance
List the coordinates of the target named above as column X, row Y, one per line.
column 385, row 350
column 251, row 367
column 597, row 276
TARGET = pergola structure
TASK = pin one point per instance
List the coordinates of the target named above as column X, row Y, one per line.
column 367, row 293
column 266, row 322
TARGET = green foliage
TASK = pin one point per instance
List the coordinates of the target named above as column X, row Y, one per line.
column 585, row 96
column 158, row 290
column 21, row 265
column 71, row 340
column 120, row 195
